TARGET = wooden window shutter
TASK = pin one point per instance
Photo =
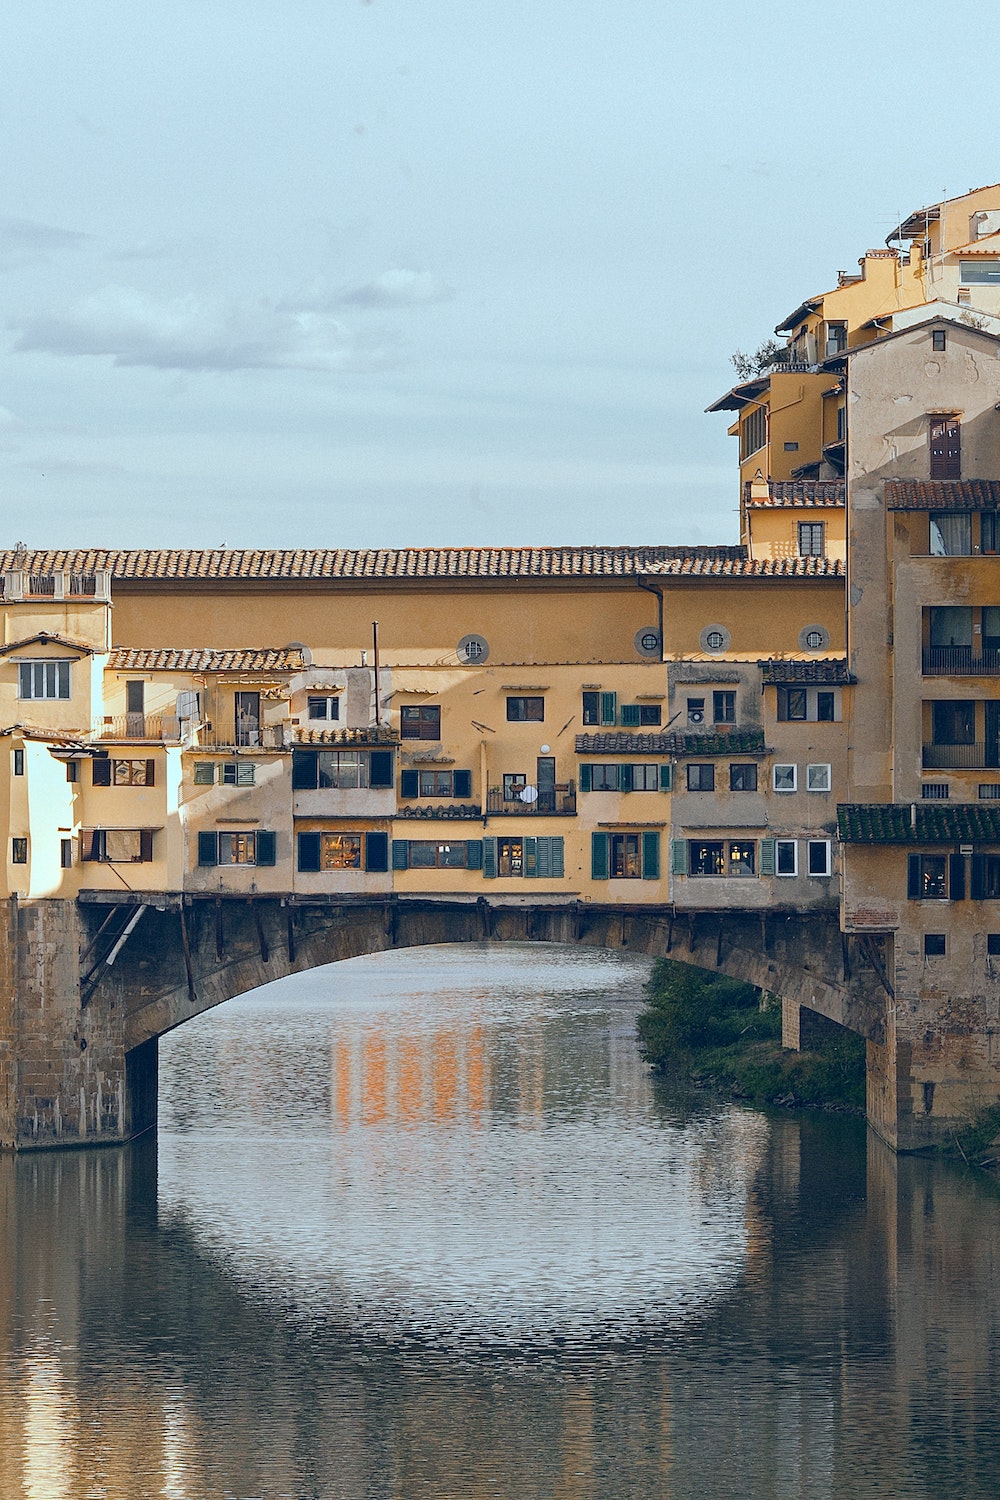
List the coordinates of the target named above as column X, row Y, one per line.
column 489, row 859
column 630, row 716
column 624, row 777
column 309, row 852
column 956, row 877
column 666, row 777
column 100, row 771
column 609, row 708
column 204, row 773
column 598, row 856
column 651, row 855
column 150, row 772
column 462, row 784
column 978, row 877
column 543, row 858
column 208, row 849
column 400, row 854
column 530, row 856
column 409, row 784
column 267, row 842
column 377, row 851
column 145, row 844
column 305, row 770
column 557, row 857
column 473, row 854
column 380, row 769
column 767, row 857
column 678, row 857
column 585, row 776
column 913, row 874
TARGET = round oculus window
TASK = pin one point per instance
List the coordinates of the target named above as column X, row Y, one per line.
column 814, row 638
column 473, row 649
column 715, row 638
column 647, row 641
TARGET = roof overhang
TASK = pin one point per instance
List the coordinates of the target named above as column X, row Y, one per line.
column 801, row 312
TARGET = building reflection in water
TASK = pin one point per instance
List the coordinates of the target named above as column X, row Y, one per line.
column 853, row 1352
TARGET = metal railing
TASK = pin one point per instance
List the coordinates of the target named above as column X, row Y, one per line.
column 960, row 757
column 559, row 802
column 138, row 727
column 958, row 661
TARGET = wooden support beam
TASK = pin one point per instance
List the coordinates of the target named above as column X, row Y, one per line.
column 265, row 952
column 188, row 966
column 220, row 941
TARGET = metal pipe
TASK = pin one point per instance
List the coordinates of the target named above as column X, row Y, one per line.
column 378, row 706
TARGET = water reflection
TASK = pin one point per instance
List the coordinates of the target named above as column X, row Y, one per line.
column 800, row 1314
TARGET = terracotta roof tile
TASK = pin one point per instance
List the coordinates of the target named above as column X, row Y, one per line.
column 126, row 659
column 802, row 494
column 942, row 494
column 735, row 742
column 829, row 669
column 919, row 823
column 422, row 562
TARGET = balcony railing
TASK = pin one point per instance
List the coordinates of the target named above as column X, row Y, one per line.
column 958, row 661
column 138, row 727
column 560, row 802
column 960, row 757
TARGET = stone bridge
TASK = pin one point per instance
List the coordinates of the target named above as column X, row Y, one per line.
column 90, row 986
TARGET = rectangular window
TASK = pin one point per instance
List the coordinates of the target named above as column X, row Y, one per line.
column 935, row 945
column 525, row 710
column 427, row 855
column 993, row 944
column 785, row 778
column 645, row 778
column 510, row 857
column 786, row 857
column 323, row 706
column 818, row 778
column 986, row 877
column 591, row 708
column 696, row 710
column 332, row 851
column 989, row 791
column 927, row 877
column 66, row 854
column 796, row 705
column 953, row 721
column 340, row 851
column 825, row 706
column 237, row 848
column 939, row 340
column 724, row 707
column 811, row 542
column 818, row 856
column 701, row 778
column 341, row 770
column 132, row 772
column 43, row 679
column 19, row 762
column 743, row 777
column 741, row 857
column 934, row 791
column 989, row 532
column 19, row 851
column 420, row 722
column 117, row 846
column 637, row 715
column 435, row 783
column 951, row 534
column 604, row 778
column 982, row 272
column 753, row 431
column 72, row 770
column 238, row 773
column 706, row 857
column 626, row 856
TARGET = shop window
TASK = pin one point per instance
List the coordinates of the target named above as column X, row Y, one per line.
column 927, row 877
column 453, row 854
column 720, row 858
column 625, row 856
column 428, row 855
column 528, row 857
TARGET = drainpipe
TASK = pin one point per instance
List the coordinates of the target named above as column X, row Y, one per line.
column 378, row 706
column 654, row 588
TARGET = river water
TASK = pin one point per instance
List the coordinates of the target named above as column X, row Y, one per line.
column 423, row 1225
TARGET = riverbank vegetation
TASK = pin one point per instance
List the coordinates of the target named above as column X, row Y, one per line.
column 727, row 1035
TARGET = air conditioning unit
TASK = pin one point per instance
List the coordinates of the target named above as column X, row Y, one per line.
column 696, row 716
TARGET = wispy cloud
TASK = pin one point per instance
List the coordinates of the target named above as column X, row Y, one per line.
column 24, row 242
column 193, row 333
column 398, row 288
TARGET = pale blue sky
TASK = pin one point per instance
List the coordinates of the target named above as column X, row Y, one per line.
column 422, row 272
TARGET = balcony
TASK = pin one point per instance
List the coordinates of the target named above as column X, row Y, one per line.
column 558, row 802
column 960, row 757
column 144, row 727
column 958, row 661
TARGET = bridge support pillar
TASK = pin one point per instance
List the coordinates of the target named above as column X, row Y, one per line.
column 64, row 1076
column 791, row 1025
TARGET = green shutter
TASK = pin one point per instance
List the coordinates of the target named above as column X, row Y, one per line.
column 767, row 856
column 543, row 857
column 462, row 784
column 630, row 716
column 409, row 784
column 266, row 846
column 651, row 856
column 377, row 851
column 400, row 854
column 530, row 856
column 978, row 877
column 100, row 771
column 473, row 854
column 598, row 856
column 490, row 859
column 208, row 849
column 914, row 881
column 204, row 773
column 380, row 769
column 666, row 776
column 309, row 852
column 584, row 776
column 246, row 773
column 609, row 708
column 678, row 857
column 956, row 877
column 557, row 858
column 625, row 777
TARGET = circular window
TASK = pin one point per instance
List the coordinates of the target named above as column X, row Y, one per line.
column 647, row 642
column 814, row 638
column 473, row 649
column 715, row 638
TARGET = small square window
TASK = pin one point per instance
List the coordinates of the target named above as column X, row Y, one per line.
column 818, row 854
column 786, row 857
column 696, row 710
column 701, row 778
column 785, row 778
column 935, row 945
column 817, row 778
column 939, row 340
column 993, row 944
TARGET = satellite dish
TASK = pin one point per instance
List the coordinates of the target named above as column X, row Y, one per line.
column 529, row 794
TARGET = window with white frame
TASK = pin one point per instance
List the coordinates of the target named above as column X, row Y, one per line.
column 786, row 857
column 818, row 856
column 323, row 706
column 43, row 679
column 818, row 778
column 785, row 778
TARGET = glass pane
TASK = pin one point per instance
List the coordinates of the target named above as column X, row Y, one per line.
column 951, row 626
column 951, row 535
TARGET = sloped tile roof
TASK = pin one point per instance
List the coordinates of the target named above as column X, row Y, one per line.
column 942, row 494
column 735, row 742
column 826, row 670
column 919, row 823
column 323, row 564
column 801, row 494
column 47, row 638
column 126, row 659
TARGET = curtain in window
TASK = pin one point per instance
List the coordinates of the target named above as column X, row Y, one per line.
column 951, row 535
